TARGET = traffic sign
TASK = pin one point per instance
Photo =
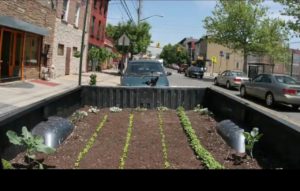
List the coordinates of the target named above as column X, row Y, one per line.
column 214, row 59
column 124, row 40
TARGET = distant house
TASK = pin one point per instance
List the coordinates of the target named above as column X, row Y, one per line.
column 189, row 44
column 98, row 18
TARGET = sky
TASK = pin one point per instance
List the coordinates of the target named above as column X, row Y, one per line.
column 181, row 18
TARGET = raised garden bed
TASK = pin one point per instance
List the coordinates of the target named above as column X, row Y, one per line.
column 150, row 139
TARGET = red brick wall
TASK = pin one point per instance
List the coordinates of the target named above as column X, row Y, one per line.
column 100, row 16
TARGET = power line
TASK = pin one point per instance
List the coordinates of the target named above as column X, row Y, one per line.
column 125, row 7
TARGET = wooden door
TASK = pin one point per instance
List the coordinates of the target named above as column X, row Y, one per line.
column 68, row 60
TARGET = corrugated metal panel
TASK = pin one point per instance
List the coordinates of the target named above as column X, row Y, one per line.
column 127, row 97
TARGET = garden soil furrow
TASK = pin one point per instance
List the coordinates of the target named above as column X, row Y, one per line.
column 145, row 148
column 66, row 154
column 108, row 147
column 180, row 154
column 205, row 128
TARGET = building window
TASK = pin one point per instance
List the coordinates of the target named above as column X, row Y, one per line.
column 103, row 32
column 32, row 46
column 60, row 50
column 75, row 52
column 77, row 15
column 99, row 30
column 65, row 10
column 105, row 8
column 237, row 65
column 100, row 8
column 93, row 26
column 95, row 4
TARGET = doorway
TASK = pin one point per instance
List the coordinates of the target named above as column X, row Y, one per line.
column 11, row 54
column 68, row 60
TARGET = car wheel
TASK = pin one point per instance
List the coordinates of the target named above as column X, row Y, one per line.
column 216, row 82
column 201, row 77
column 185, row 74
column 296, row 107
column 228, row 86
column 243, row 92
column 269, row 100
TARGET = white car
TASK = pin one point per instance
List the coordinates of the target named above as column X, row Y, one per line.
column 231, row 78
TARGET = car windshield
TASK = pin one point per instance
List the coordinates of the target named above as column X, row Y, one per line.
column 285, row 80
column 144, row 69
column 239, row 74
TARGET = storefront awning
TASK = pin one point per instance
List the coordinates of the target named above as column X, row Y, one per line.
column 23, row 26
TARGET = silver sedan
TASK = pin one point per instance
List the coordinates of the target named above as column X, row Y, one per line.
column 231, row 78
column 273, row 88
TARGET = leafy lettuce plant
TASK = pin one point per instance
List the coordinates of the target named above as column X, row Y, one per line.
column 251, row 139
column 33, row 145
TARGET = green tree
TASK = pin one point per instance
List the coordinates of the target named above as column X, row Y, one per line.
column 100, row 55
column 292, row 8
column 244, row 25
column 139, row 35
column 174, row 54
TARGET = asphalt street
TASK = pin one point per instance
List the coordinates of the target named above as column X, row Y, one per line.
column 179, row 80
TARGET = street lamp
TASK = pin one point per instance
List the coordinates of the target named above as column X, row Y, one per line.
column 150, row 17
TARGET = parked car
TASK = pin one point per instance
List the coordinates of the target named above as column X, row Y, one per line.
column 144, row 73
column 182, row 68
column 231, row 78
column 175, row 66
column 195, row 71
column 273, row 88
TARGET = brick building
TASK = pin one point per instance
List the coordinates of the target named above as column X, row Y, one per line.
column 189, row 44
column 25, row 27
column 97, row 25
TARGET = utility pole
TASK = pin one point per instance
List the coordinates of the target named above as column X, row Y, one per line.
column 139, row 11
column 82, row 41
column 292, row 63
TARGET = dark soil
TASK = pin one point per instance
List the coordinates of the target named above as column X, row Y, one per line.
column 180, row 154
column 145, row 147
column 205, row 128
column 106, row 152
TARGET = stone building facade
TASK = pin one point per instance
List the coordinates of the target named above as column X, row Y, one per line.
column 68, row 36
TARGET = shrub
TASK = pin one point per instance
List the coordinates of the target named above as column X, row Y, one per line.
column 251, row 138
column 78, row 116
column 162, row 108
column 93, row 110
column 115, row 109
column 93, row 79
column 6, row 165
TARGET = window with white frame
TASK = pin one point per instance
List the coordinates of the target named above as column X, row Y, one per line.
column 65, row 10
column 77, row 14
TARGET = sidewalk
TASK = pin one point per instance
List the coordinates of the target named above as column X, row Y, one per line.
column 18, row 94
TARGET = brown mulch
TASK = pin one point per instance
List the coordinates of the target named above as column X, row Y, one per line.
column 180, row 154
column 108, row 147
column 205, row 128
column 145, row 149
